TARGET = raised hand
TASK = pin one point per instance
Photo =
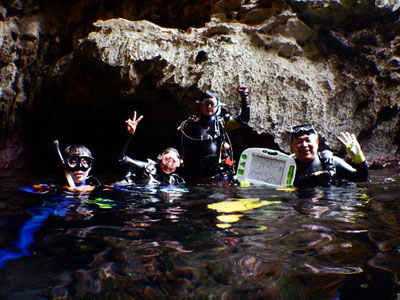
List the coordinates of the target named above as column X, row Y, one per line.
column 353, row 148
column 131, row 124
column 243, row 90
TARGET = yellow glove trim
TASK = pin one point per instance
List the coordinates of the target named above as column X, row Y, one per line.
column 358, row 158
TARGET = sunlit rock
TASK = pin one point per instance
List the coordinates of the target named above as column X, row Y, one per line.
column 332, row 63
column 287, row 86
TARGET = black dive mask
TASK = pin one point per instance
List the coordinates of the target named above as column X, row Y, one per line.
column 300, row 130
column 79, row 163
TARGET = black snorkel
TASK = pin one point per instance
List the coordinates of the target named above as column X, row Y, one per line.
column 67, row 175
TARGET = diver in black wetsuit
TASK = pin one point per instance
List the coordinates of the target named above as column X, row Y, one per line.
column 206, row 148
column 150, row 172
column 323, row 168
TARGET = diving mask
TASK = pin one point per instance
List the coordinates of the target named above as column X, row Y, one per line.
column 79, row 163
column 209, row 102
column 300, row 130
column 171, row 159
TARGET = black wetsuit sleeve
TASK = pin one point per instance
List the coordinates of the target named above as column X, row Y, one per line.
column 233, row 123
column 133, row 164
column 245, row 112
column 353, row 173
column 126, row 145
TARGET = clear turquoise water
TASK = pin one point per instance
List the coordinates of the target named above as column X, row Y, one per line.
column 172, row 243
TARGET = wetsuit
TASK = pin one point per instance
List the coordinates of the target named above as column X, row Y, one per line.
column 143, row 173
column 327, row 169
column 91, row 180
column 202, row 141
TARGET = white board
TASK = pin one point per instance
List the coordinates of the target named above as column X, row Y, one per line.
column 266, row 167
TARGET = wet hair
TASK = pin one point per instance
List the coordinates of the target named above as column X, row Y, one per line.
column 77, row 149
column 209, row 94
column 169, row 149
column 302, row 129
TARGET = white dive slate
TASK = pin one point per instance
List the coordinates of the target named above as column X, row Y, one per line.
column 266, row 167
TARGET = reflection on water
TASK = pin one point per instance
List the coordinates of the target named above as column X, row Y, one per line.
column 202, row 243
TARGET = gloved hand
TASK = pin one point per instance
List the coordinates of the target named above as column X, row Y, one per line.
column 353, row 148
column 243, row 91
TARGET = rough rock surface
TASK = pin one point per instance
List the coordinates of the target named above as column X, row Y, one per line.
column 287, row 86
column 335, row 64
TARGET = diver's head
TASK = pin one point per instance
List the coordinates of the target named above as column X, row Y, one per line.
column 209, row 104
column 169, row 160
column 304, row 142
column 78, row 162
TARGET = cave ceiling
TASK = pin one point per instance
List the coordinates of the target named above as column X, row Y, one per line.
column 75, row 70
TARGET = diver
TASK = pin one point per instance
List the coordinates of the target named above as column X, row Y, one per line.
column 314, row 168
column 206, row 147
column 78, row 162
column 150, row 172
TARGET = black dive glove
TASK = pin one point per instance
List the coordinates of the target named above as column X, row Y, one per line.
column 243, row 91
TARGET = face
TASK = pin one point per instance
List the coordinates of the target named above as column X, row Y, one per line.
column 78, row 176
column 208, row 107
column 79, row 168
column 169, row 162
column 305, row 147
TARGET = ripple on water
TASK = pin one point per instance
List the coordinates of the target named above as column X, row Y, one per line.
column 168, row 243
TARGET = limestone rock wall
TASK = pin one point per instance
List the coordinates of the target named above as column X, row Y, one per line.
column 335, row 64
column 288, row 84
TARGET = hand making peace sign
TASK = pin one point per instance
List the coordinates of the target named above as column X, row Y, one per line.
column 131, row 124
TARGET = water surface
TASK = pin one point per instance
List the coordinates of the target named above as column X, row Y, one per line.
column 202, row 242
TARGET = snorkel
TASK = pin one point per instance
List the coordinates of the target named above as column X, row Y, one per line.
column 67, row 175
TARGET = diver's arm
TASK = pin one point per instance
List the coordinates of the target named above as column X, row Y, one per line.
column 355, row 172
column 131, row 125
column 245, row 111
column 133, row 164
column 233, row 123
column 123, row 152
